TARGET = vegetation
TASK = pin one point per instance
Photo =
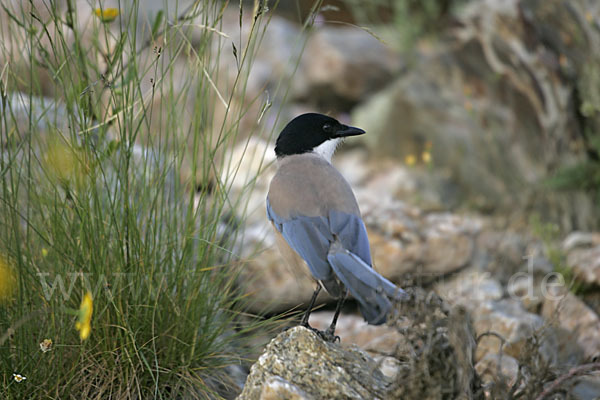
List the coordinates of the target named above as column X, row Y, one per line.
column 549, row 235
column 410, row 19
column 115, row 214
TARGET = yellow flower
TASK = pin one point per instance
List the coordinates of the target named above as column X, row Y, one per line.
column 589, row 17
column 8, row 280
column 410, row 160
column 426, row 157
column 84, row 322
column 65, row 164
column 46, row 345
column 44, row 252
column 107, row 15
column 19, row 378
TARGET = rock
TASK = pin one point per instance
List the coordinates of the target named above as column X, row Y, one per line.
column 578, row 323
column 389, row 366
column 332, row 67
column 514, row 324
column 48, row 116
column 586, row 265
column 273, row 286
column 297, row 362
column 404, row 239
column 469, row 288
column 592, row 300
column 433, row 359
column 528, row 290
column 437, row 348
column 354, row 330
column 587, row 387
column 342, row 66
column 429, row 190
column 479, row 89
column 433, row 245
column 248, row 177
column 505, row 253
column 276, row 388
column 580, row 240
column 272, row 64
column 495, row 367
column 583, row 256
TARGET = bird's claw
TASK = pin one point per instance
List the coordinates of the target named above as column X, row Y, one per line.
column 327, row 335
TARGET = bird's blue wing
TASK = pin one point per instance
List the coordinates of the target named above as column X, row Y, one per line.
column 351, row 232
column 336, row 246
column 311, row 237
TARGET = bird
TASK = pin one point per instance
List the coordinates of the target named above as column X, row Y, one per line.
column 316, row 218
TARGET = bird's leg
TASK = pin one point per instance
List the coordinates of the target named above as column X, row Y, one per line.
column 304, row 322
column 330, row 332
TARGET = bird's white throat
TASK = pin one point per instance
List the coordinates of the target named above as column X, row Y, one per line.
column 327, row 148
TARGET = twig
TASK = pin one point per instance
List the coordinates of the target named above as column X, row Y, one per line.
column 500, row 352
column 573, row 372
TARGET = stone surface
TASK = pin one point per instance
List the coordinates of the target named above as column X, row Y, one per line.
column 583, row 256
column 493, row 367
column 579, row 239
column 512, row 322
column 276, row 388
column 298, row 362
column 47, row 115
column 528, row 290
column 341, row 66
column 494, row 92
column 587, row 387
column 404, row 239
column 353, row 330
column 504, row 253
column 578, row 323
column 469, row 289
column 586, row 265
column 433, row 358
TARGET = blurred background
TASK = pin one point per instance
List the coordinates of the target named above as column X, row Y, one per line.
column 137, row 139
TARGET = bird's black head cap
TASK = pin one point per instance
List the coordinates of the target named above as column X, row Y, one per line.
column 307, row 131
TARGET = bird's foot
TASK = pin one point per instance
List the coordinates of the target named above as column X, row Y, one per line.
column 327, row 335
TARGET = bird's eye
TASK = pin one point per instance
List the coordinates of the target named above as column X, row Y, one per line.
column 327, row 127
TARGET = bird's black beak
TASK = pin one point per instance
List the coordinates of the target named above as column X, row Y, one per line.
column 348, row 131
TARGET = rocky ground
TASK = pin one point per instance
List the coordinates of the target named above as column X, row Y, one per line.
column 518, row 325
column 504, row 273
column 448, row 180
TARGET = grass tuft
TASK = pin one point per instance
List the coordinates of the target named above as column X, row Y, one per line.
column 115, row 170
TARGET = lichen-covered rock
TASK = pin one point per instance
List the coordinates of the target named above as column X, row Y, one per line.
column 433, row 358
column 298, row 362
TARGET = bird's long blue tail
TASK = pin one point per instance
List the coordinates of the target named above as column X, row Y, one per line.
column 371, row 290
